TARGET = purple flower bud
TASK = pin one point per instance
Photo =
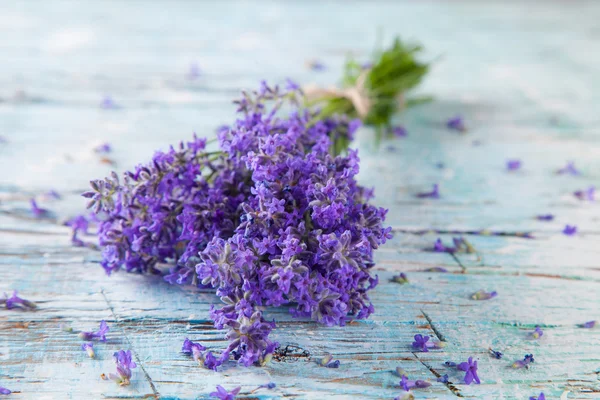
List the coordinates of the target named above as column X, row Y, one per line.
column 537, row 333
column 588, row 194
column 569, row 169
column 570, row 230
column 434, row 194
column 4, row 391
column 513, row 165
column 443, row 378
column 89, row 349
column 103, row 148
column 589, row 324
column 436, row 269
column 545, row 217
column 456, row 124
column 124, row 366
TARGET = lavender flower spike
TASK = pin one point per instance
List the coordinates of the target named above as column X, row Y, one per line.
column 100, row 334
column 89, row 349
column 223, row 394
column 456, row 124
column 124, row 366
column 483, row 295
column 4, row 391
column 17, row 302
column 570, row 230
column 471, row 371
column 434, row 194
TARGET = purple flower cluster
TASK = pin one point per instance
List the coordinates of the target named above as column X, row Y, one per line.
column 273, row 218
column 124, row 366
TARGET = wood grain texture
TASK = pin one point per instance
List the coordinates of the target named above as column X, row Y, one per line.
column 525, row 78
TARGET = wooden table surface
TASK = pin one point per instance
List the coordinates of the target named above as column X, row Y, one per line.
column 524, row 76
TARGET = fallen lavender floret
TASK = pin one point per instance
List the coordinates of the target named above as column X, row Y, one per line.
column 528, row 359
column 422, row 343
column 223, row 394
column 588, row 325
column 89, row 349
column 434, row 194
column 400, row 278
column 540, row 397
column 4, row 391
column 329, row 362
column 275, row 217
column 483, row 295
column 470, row 367
column 537, row 333
column 569, row 230
column 408, row 384
column 38, row 212
column 124, row 366
column 569, row 168
column 15, row 301
column 456, row 124
column 100, row 334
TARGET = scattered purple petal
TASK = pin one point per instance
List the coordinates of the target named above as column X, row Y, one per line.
column 589, row 324
column 570, row 230
column 89, row 349
column 470, row 367
column 124, row 366
column 100, row 334
column 17, row 302
column 589, row 194
column 456, row 124
column 498, row 355
column 540, row 397
column 434, row 194
column 103, row 148
column 4, row 391
column 37, row 212
column 569, row 169
column 223, row 394
column 399, row 131
column 401, row 279
column 537, row 333
column 545, row 217
column 483, row 295
column 513, row 165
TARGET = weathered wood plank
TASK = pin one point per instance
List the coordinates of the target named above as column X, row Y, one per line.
column 521, row 74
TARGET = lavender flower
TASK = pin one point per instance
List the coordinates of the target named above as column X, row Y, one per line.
column 103, row 148
column 570, row 230
column 443, row 378
column 401, row 278
column 589, row 324
column 450, row 364
column 100, row 334
column 528, row 359
column 434, row 194
column 588, row 194
column 456, row 124
column 498, row 355
column 513, row 165
column 422, row 343
column 537, row 333
column 89, row 349
column 569, row 169
column 470, row 367
column 193, row 349
column 545, row 217
column 37, row 212
column 439, row 246
column 399, row 131
column 275, row 217
column 223, row 394
column 407, row 384
column 540, row 397
column 483, row 295
column 327, row 361
column 4, row 391
column 124, row 366
column 17, row 302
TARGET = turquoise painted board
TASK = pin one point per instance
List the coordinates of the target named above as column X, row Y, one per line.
column 523, row 75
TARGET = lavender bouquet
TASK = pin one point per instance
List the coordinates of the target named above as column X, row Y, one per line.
column 273, row 217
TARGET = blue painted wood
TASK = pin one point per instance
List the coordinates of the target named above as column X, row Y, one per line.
column 523, row 76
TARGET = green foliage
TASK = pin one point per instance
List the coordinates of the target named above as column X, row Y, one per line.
column 394, row 72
